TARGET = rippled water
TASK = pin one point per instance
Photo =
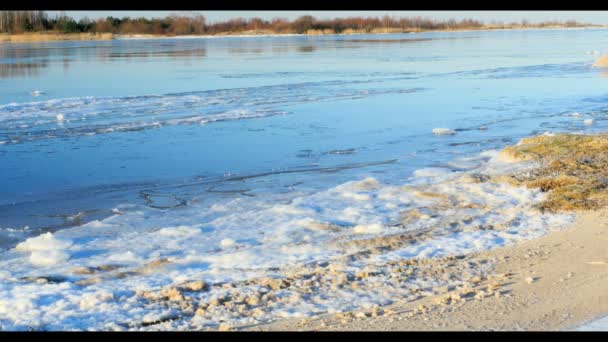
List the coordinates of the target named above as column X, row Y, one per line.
column 250, row 152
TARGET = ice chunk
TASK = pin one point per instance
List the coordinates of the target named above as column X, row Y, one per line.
column 443, row 131
column 46, row 249
column 93, row 299
column 59, row 117
column 37, row 93
column 225, row 243
column 588, row 122
column 367, row 228
column 48, row 257
column 44, row 242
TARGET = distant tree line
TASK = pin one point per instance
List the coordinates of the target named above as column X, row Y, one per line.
column 34, row 21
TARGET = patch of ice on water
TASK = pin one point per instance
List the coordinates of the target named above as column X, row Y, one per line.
column 443, row 131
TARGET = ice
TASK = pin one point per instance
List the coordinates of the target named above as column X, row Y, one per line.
column 94, row 299
column 102, row 115
column 226, row 243
column 373, row 228
column 443, row 131
column 44, row 242
column 45, row 250
column 48, row 258
column 244, row 238
column 182, row 231
column 588, row 122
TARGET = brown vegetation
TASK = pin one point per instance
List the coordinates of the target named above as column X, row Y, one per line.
column 17, row 22
column 573, row 172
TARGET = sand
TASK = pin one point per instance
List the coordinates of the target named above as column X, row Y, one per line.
column 50, row 36
column 555, row 282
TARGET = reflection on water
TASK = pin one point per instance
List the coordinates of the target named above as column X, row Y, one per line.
column 13, row 70
column 411, row 40
column 306, row 48
column 146, row 54
column 33, row 57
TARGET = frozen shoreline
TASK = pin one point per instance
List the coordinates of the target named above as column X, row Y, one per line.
column 344, row 257
column 556, row 282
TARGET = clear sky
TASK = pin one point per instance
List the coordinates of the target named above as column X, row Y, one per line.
column 595, row 17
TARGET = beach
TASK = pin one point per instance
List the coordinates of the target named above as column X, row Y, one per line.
column 569, row 270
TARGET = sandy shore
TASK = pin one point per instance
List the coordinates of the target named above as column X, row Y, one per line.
column 49, row 36
column 555, row 282
column 253, row 34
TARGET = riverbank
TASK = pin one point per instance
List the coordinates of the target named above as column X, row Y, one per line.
column 348, row 32
column 47, row 36
column 555, row 282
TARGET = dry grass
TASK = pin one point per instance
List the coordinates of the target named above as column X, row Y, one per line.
column 573, row 172
column 51, row 36
column 320, row 32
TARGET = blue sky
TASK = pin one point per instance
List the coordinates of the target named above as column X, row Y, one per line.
column 596, row 17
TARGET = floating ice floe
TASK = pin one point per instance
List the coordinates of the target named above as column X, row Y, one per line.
column 443, row 131
column 576, row 114
column 588, row 122
column 37, row 93
column 59, row 117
